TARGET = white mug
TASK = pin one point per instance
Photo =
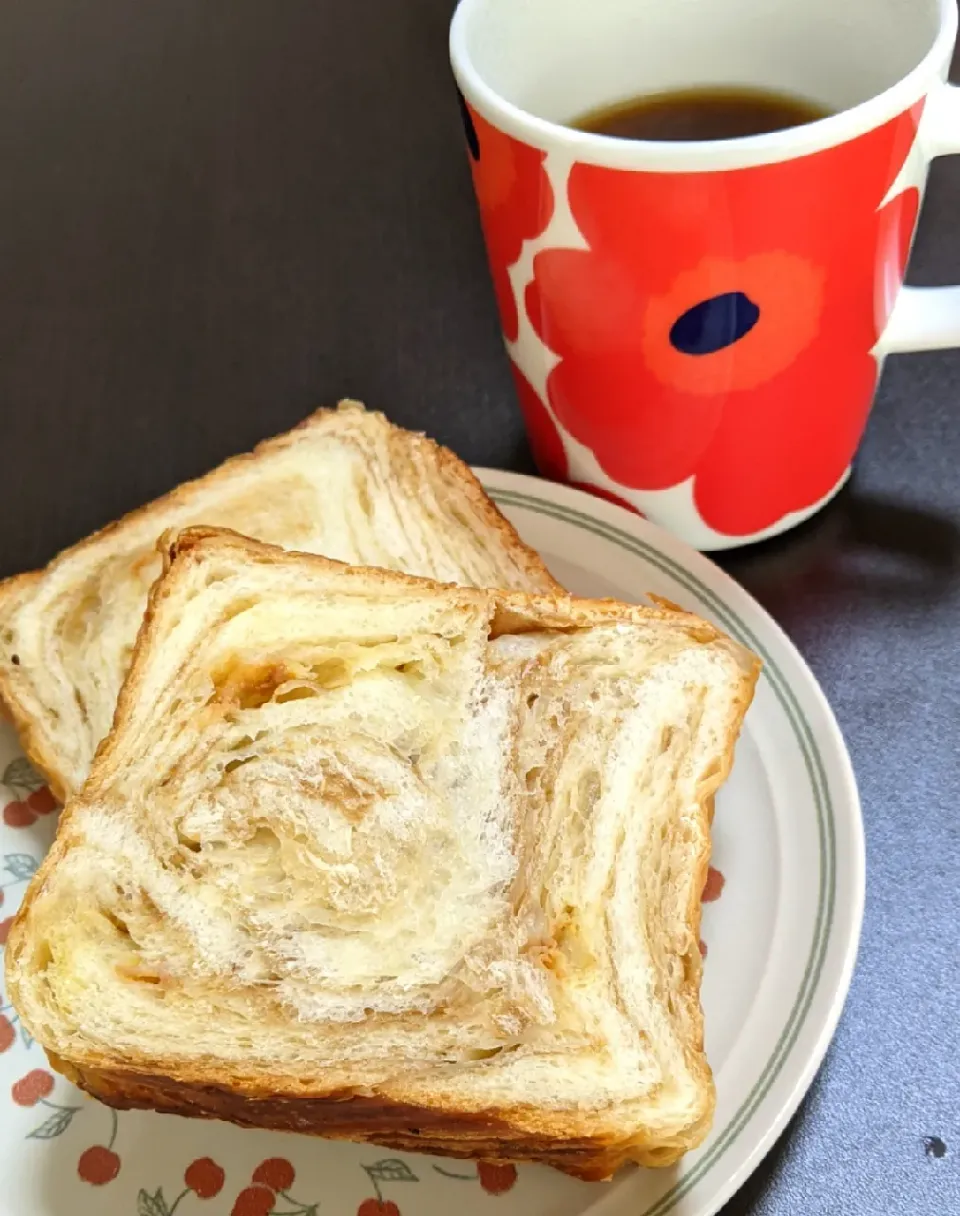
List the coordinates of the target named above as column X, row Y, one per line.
column 696, row 329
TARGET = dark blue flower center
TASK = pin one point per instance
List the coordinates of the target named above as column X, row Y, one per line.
column 469, row 130
column 715, row 323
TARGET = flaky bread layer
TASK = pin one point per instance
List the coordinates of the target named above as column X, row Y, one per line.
column 345, row 483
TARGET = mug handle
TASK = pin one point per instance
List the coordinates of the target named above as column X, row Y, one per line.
column 928, row 318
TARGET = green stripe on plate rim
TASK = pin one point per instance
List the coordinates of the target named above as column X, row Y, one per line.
column 818, row 782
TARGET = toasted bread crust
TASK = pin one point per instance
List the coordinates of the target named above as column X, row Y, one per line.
column 466, row 1135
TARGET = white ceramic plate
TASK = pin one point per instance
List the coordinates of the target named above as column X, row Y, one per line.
column 781, row 942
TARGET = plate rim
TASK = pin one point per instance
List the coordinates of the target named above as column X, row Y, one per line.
column 838, row 793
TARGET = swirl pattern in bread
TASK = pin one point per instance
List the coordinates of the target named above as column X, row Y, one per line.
column 376, row 858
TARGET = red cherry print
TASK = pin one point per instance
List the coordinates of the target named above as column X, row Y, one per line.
column 7, row 1033
column 5, row 929
column 30, row 1089
column 98, row 1165
column 497, row 1177
column 42, row 802
column 378, row 1207
column 18, row 815
column 204, row 1177
column 276, row 1173
column 713, row 887
column 253, row 1201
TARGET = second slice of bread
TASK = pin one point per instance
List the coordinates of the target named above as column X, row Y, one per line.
column 345, row 483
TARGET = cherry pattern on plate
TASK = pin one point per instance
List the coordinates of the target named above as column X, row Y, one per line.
column 713, row 887
column 273, row 1177
column 268, row 1193
column 203, row 1178
column 495, row 1177
column 100, row 1164
column 712, row 890
column 381, row 1174
column 32, row 798
column 17, row 869
column 253, row 1201
column 29, row 1090
column 34, row 1089
column 8, row 1033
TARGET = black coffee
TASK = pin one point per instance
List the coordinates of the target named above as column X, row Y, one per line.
column 703, row 113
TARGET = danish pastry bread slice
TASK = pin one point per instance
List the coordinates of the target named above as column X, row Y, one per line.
column 374, row 858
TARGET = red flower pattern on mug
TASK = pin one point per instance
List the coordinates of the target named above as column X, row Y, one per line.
column 547, row 446
column 719, row 326
column 545, row 441
column 515, row 201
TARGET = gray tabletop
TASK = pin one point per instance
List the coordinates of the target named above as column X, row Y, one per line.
column 214, row 217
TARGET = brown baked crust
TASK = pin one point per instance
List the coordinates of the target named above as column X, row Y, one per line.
column 408, row 445
column 456, row 471
column 487, row 1136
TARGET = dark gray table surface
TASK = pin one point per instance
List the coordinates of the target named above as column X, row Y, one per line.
column 214, row 217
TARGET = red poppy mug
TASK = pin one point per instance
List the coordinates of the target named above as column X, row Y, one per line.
column 696, row 329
